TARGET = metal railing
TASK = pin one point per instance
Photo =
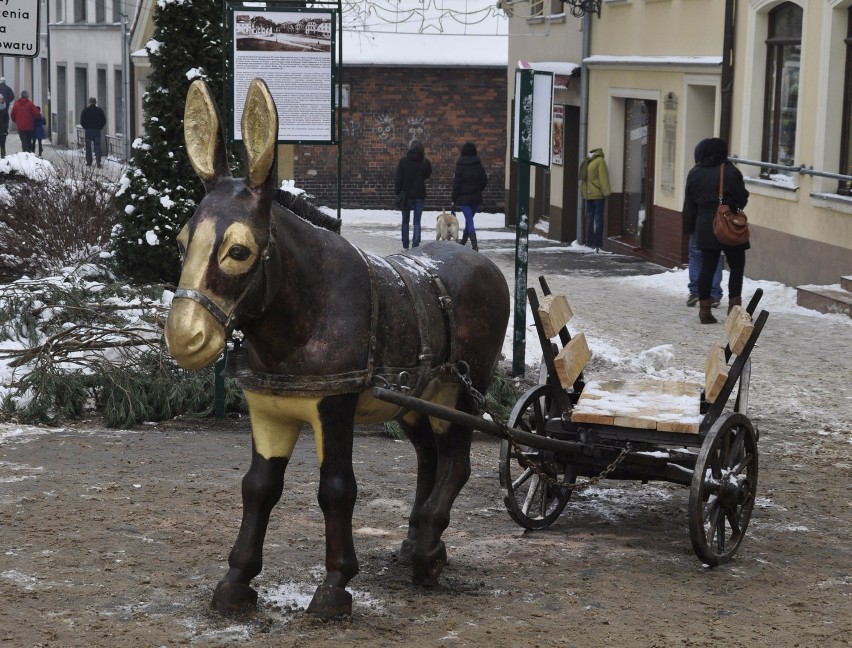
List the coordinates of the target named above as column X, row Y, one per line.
column 114, row 144
column 801, row 169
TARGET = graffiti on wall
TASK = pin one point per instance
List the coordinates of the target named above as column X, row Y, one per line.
column 416, row 129
column 385, row 128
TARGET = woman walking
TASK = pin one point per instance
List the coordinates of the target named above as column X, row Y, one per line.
column 699, row 208
column 469, row 181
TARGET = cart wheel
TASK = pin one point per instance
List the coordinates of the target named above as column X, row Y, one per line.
column 530, row 500
column 723, row 489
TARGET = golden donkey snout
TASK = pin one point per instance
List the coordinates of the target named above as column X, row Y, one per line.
column 194, row 337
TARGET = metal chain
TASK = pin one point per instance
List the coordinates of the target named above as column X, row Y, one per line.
column 461, row 370
column 562, row 484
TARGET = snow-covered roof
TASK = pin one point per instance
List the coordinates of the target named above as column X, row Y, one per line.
column 442, row 50
column 436, row 33
column 694, row 61
column 557, row 67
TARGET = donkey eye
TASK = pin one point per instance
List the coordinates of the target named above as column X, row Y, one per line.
column 181, row 250
column 239, row 252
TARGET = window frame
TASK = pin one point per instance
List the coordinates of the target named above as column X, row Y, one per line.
column 772, row 108
column 844, row 187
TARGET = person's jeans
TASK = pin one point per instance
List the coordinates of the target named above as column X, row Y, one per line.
column 417, row 205
column 26, row 141
column 93, row 140
column 469, row 211
column 596, row 222
column 695, row 270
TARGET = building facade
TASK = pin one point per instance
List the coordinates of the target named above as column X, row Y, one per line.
column 542, row 37
column 772, row 77
column 88, row 41
column 446, row 107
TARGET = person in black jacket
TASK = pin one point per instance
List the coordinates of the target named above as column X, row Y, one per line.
column 93, row 119
column 4, row 125
column 411, row 174
column 469, row 181
column 699, row 208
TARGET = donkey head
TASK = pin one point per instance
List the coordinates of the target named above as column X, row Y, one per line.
column 225, row 244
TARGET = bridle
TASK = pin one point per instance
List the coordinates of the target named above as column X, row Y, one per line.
column 227, row 319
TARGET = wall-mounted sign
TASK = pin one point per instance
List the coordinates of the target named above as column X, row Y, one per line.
column 19, row 21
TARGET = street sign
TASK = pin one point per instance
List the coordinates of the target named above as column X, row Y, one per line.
column 19, row 21
column 531, row 136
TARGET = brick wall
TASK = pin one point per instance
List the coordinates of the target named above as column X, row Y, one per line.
column 442, row 107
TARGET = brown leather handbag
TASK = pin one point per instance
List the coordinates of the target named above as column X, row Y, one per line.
column 730, row 228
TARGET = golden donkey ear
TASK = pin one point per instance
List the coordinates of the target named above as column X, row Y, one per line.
column 260, row 132
column 202, row 133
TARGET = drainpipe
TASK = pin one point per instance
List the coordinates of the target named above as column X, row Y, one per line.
column 727, row 72
column 584, row 118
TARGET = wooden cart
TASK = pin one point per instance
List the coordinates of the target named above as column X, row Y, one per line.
column 616, row 427
column 639, row 429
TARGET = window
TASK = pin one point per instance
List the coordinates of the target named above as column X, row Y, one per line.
column 845, row 187
column 79, row 11
column 100, row 11
column 118, row 100
column 116, row 11
column 783, row 54
column 60, row 17
column 102, row 96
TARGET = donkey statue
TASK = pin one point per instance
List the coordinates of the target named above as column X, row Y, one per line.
column 321, row 322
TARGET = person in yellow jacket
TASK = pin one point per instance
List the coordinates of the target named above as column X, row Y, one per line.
column 594, row 187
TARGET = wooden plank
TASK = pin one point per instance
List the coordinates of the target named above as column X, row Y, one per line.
column 571, row 360
column 555, row 313
column 591, row 417
column 681, row 427
column 738, row 328
column 715, row 372
column 641, row 403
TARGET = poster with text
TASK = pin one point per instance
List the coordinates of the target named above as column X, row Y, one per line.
column 558, row 134
column 293, row 52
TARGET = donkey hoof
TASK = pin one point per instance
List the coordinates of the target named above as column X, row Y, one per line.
column 427, row 567
column 330, row 602
column 230, row 598
column 406, row 551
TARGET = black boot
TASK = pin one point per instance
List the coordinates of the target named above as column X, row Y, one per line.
column 463, row 238
column 705, row 311
column 734, row 301
column 473, row 242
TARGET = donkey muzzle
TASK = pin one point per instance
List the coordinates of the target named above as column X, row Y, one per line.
column 194, row 335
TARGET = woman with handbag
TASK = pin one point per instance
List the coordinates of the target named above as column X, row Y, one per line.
column 410, row 189
column 714, row 180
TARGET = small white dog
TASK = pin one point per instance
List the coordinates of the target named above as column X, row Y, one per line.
column 447, row 227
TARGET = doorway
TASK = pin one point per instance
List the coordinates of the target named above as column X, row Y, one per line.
column 640, row 118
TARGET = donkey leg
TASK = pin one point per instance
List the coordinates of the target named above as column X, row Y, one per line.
column 261, row 488
column 337, row 494
column 420, row 433
column 453, row 470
